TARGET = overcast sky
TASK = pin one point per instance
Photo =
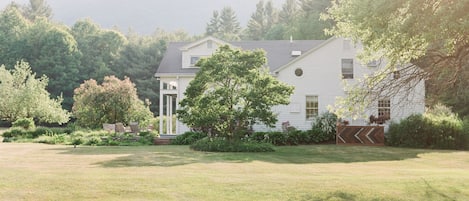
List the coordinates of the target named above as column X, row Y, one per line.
column 144, row 16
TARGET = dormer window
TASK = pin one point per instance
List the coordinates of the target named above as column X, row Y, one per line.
column 194, row 60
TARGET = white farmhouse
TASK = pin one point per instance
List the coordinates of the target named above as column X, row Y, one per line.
column 317, row 69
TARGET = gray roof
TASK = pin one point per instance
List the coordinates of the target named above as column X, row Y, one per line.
column 278, row 53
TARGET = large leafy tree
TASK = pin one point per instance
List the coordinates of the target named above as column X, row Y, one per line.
column 52, row 50
column 430, row 34
column 99, row 49
column 232, row 91
column 113, row 101
column 22, row 95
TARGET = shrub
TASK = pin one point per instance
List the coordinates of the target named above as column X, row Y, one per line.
column 92, row 140
column 14, row 132
column 319, row 136
column 222, row 145
column 40, row 131
column 188, row 138
column 293, row 137
column 53, row 139
column 77, row 141
column 327, row 124
column 25, row 123
column 147, row 137
column 436, row 129
column 277, row 138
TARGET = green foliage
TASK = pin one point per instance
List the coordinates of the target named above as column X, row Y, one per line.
column 113, row 101
column 188, row 138
column 36, row 9
column 18, row 133
column 76, row 137
column 326, row 123
column 25, row 123
column 99, row 48
column 224, row 25
column 155, row 122
column 222, row 145
column 231, row 92
column 53, row 139
column 22, row 95
column 293, row 137
column 13, row 132
column 433, row 35
column 438, row 128
column 261, row 21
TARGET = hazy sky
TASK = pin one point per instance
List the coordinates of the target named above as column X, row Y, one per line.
column 144, row 16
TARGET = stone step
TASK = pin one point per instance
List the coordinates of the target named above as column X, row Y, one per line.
column 159, row 141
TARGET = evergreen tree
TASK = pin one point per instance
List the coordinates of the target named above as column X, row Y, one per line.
column 213, row 27
column 261, row 21
column 224, row 26
column 36, row 9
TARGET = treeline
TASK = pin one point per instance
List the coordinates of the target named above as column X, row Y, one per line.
column 297, row 19
column 70, row 55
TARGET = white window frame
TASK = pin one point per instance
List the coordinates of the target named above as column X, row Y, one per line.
column 311, row 106
column 384, row 107
column 347, row 70
column 192, row 62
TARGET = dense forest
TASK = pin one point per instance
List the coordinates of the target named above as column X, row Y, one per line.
column 70, row 55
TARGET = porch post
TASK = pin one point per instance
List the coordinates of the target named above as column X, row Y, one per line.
column 168, row 110
column 160, row 130
column 177, row 107
column 170, row 128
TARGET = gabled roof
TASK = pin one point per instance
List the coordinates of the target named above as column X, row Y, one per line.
column 278, row 53
column 203, row 40
column 305, row 54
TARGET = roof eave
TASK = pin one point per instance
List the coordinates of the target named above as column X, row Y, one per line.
column 276, row 71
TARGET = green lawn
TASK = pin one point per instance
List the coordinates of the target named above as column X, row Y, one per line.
column 321, row 172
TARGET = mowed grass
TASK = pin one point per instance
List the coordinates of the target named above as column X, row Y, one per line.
column 318, row 172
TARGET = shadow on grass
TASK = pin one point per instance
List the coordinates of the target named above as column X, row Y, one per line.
column 181, row 155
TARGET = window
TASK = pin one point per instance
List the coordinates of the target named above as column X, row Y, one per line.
column 347, row 68
column 209, row 44
column 384, row 108
column 194, row 60
column 298, row 72
column 312, row 108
